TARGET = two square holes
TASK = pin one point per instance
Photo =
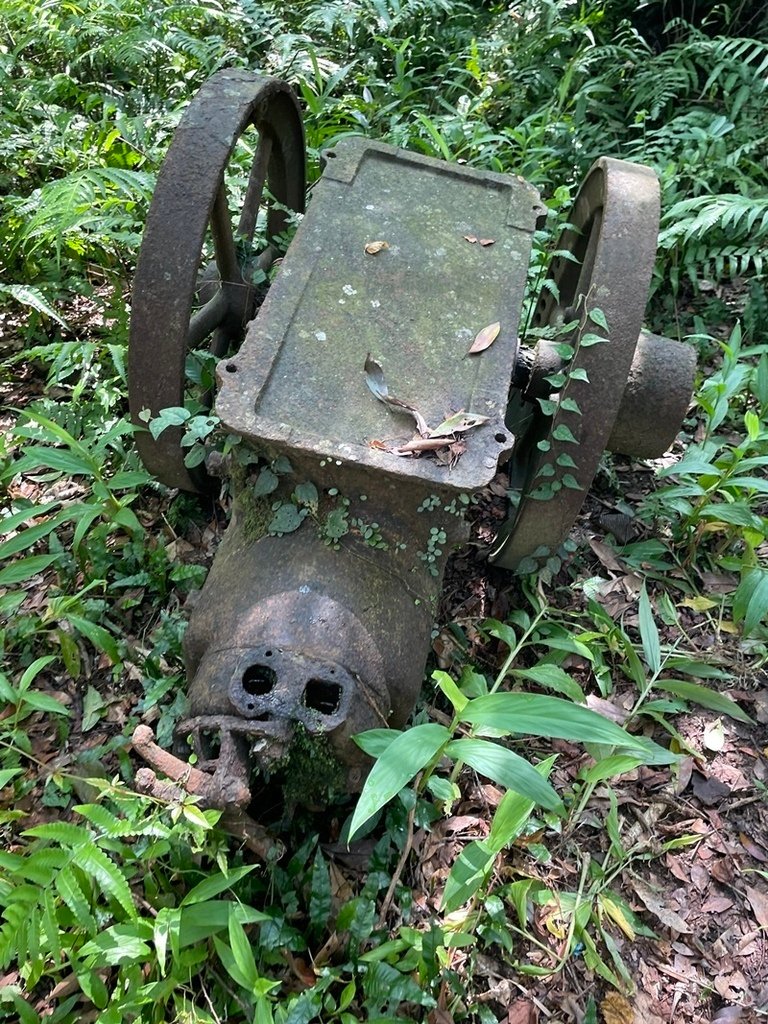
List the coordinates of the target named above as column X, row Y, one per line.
column 322, row 695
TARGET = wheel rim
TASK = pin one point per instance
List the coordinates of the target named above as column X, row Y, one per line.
column 615, row 227
column 190, row 200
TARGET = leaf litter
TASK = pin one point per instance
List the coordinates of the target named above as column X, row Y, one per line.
column 443, row 441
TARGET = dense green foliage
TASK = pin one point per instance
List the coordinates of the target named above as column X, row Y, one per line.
column 134, row 900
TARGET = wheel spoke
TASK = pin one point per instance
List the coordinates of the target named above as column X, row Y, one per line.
column 206, row 319
column 223, row 239
column 258, row 176
column 220, row 342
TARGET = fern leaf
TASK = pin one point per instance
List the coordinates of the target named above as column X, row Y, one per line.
column 33, row 298
column 96, row 863
column 68, row 887
column 61, row 832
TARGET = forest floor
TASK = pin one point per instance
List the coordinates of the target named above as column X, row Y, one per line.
column 704, row 898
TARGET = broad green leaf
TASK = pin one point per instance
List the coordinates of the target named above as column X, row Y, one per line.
column 649, row 634
column 227, row 958
column 375, row 741
column 29, row 537
column 57, row 458
column 506, row 768
column 44, row 702
column 266, row 483
column 101, row 639
column 451, row 690
column 703, row 696
column 738, row 513
column 513, row 812
column 750, row 601
column 93, row 704
column 32, row 671
column 6, row 774
column 610, row 767
column 25, row 569
column 553, row 678
column 408, row 753
column 120, row 944
column 534, row 714
column 468, row 874
column 214, row 884
column 202, row 920
column 242, row 952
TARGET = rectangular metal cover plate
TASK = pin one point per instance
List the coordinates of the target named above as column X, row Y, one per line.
column 298, row 382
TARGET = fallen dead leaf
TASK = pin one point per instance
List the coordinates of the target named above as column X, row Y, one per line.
column 458, row 423
column 373, row 247
column 656, row 904
column 606, row 555
column 616, row 1009
column 485, row 338
column 522, row 1012
column 717, row 905
column 714, row 735
column 485, row 242
column 752, row 848
column 472, row 239
column 377, row 385
column 710, row 791
column 759, row 903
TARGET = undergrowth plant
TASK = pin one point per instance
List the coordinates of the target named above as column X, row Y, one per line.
column 116, row 907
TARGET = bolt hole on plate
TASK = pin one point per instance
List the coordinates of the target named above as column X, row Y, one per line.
column 259, row 680
column 323, row 696
column 231, row 368
column 501, row 438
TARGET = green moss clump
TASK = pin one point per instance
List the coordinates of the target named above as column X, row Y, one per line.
column 311, row 769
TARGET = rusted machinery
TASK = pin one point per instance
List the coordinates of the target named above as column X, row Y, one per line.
column 365, row 421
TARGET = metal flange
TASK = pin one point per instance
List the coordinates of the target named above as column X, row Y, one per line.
column 571, row 410
column 182, row 300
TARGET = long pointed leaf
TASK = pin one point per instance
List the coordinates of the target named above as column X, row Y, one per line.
column 401, row 761
column 534, row 714
column 506, row 768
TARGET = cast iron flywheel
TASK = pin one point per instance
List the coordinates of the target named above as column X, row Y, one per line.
column 627, row 394
column 184, row 298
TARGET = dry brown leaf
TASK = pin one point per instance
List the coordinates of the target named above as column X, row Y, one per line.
column 606, row 555
column 485, row 242
column 377, row 385
column 485, row 338
column 522, row 1012
column 717, row 905
column 470, row 238
column 759, row 903
column 752, row 848
column 616, row 1009
column 373, row 247
column 656, row 904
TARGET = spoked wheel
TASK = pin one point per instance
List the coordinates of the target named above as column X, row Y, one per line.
column 613, row 240
column 203, row 263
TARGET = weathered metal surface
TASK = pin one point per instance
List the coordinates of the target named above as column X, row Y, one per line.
column 324, row 632
column 655, row 399
column 191, row 194
column 296, row 632
column 297, row 384
column 613, row 239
